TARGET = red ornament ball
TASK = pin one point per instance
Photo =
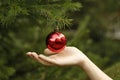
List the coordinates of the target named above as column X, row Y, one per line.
column 56, row 41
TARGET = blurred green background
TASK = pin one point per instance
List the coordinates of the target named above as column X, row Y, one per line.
column 93, row 26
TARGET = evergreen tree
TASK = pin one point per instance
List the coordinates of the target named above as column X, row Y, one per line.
column 24, row 25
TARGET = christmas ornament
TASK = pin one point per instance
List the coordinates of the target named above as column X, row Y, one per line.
column 56, row 41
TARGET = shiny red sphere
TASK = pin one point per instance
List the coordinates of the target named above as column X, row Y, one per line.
column 56, row 41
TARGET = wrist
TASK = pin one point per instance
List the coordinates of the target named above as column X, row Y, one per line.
column 84, row 62
column 92, row 70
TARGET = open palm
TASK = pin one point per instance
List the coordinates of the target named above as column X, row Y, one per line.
column 69, row 56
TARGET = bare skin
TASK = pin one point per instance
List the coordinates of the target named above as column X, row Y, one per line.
column 68, row 57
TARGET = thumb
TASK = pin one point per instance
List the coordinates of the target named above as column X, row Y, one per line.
column 49, row 52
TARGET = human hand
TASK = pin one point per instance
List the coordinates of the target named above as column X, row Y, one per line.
column 68, row 56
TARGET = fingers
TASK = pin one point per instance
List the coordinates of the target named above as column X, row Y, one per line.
column 49, row 59
column 30, row 54
column 35, row 56
column 48, row 52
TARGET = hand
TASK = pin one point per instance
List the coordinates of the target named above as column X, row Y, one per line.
column 68, row 56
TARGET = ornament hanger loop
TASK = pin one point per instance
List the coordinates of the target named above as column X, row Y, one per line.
column 56, row 29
